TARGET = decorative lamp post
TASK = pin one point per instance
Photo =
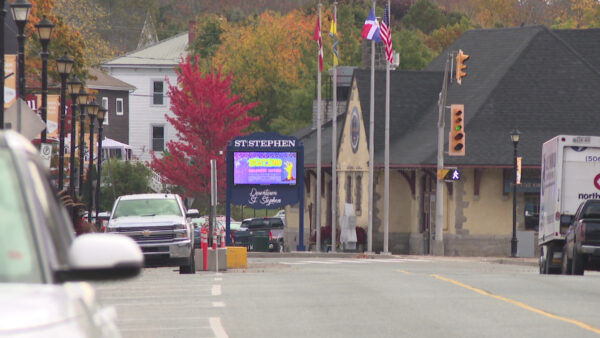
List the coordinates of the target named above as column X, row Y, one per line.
column 64, row 65
column 20, row 10
column 73, row 87
column 92, row 111
column 82, row 102
column 44, row 29
column 2, row 16
column 514, row 136
column 101, row 114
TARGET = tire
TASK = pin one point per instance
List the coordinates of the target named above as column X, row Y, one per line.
column 577, row 264
column 191, row 267
column 566, row 266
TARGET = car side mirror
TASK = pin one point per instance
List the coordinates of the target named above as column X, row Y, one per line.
column 102, row 257
column 192, row 213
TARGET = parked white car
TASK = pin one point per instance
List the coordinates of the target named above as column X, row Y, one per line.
column 43, row 267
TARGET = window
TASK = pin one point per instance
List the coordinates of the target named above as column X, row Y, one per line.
column 105, row 106
column 358, row 198
column 158, row 138
column 349, row 189
column 119, row 107
column 158, row 93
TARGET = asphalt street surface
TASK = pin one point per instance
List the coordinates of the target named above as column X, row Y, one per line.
column 358, row 296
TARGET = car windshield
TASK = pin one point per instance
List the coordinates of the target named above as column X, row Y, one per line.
column 18, row 256
column 147, row 207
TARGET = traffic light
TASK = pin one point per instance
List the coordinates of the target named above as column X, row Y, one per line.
column 456, row 142
column 460, row 65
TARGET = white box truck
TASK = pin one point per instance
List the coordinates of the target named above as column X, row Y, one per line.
column 570, row 175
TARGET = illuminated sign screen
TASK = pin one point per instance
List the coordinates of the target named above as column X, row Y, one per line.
column 264, row 168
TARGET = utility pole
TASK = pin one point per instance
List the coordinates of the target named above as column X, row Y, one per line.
column 438, row 242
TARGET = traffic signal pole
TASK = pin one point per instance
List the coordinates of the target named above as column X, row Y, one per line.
column 438, row 242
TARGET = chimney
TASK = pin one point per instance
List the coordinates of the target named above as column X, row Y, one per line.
column 192, row 31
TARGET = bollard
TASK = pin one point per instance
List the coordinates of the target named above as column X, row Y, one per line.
column 214, row 244
column 204, row 241
column 222, row 238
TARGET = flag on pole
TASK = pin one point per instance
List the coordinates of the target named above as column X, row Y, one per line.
column 370, row 30
column 333, row 34
column 317, row 37
column 386, row 35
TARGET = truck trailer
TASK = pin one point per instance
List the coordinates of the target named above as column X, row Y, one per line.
column 570, row 175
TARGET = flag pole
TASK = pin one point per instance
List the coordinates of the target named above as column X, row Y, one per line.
column 334, row 205
column 371, row 141
column 386, row 182
column 318, row 190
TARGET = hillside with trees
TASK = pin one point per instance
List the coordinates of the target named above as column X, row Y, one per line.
column 267, row 46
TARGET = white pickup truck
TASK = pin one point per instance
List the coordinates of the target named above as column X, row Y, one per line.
column 160, row 225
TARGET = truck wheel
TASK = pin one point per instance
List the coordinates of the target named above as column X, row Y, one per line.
column 577, row 264
column 566, row 268
column 191, row 267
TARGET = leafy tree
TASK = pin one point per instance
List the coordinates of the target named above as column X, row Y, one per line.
column 208, row 39
column 424, row 15
column 206, row 117
column 444, row 36
column 414, row 53
column 122, row 178
column 88, row 18
column 65, row 39
column 266, row 56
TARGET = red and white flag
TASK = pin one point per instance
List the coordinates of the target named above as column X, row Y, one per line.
column 386, row 35
column 317, row 37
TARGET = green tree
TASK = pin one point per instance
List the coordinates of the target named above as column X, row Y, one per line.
column 122, row 178
column 414, row 53
column 208, row 39
column 424, row 15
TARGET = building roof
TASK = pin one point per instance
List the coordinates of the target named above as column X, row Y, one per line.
column 100, row 80
column 540, row 81
column 165, row 53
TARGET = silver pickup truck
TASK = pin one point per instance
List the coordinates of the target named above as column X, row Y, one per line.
column 160, row 225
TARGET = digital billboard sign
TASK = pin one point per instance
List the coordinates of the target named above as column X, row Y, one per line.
column 264, row 168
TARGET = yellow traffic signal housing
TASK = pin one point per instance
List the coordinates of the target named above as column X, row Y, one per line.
column 456, row 141
column 460, row 65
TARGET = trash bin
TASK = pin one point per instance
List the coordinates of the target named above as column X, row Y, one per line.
column 259, row 243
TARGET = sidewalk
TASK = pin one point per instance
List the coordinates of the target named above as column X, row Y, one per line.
column 528, row 261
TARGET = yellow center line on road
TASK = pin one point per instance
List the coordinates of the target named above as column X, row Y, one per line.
column 405, row 272
column 521, row 305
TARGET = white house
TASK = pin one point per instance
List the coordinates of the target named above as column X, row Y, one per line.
column 148, row 70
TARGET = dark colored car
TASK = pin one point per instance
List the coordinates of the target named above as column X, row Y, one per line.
column 39, row 252
column 263, row 234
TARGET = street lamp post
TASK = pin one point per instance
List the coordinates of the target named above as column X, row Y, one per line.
column 92, row 111
column 514, row 136
column 44, row 29
column 2, row 16
column 82, row 101
column 73, row 87
column 20, row 10
column 64, row 64
column 101, row 114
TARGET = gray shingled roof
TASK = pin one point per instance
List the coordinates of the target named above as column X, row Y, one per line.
column 165, row 53
column 540, row 81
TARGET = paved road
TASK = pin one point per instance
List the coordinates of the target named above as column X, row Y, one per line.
column 399, row 296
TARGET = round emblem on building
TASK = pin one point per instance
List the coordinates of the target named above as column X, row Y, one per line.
column 354, row 129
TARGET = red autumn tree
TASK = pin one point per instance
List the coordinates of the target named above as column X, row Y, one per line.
column 206, row 117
